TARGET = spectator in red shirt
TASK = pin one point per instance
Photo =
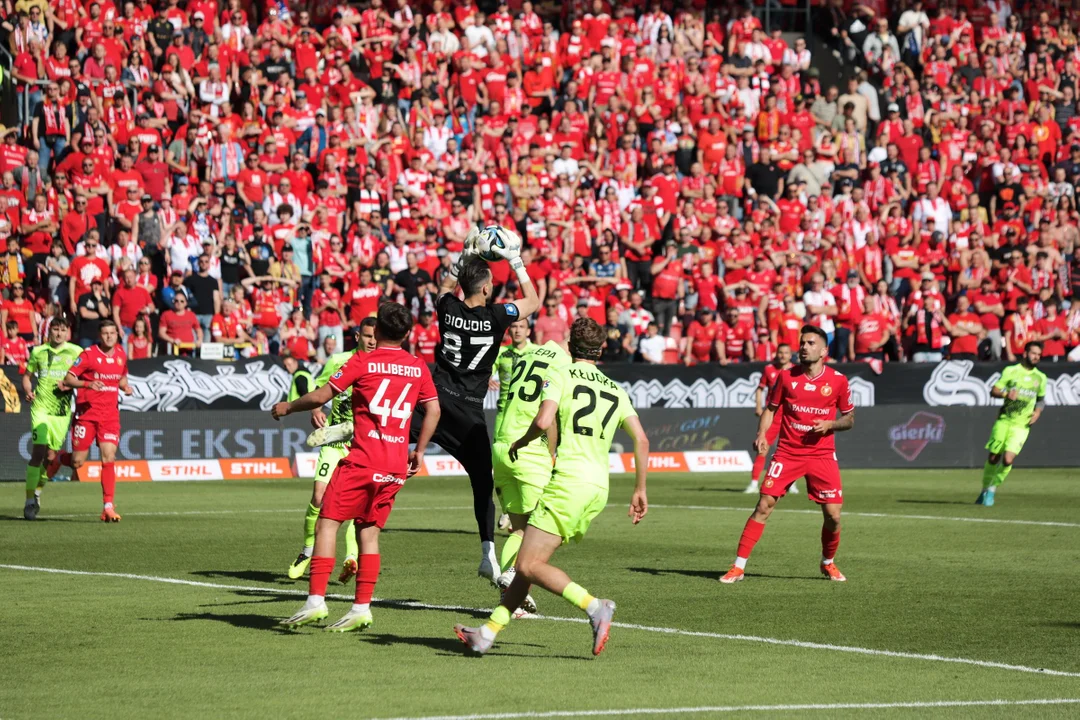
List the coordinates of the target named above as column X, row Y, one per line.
column 702, row 342
column 179, row 328
column 872, row 333
column 1053, row 331
column 327, row 306
column 551, row 326
column 966, row 331
column 424, row 337
column 130, row 301
column 736, row 339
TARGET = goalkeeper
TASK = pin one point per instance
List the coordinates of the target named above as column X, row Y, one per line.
column 472, row 330
column 1023, row 387
column 333, row 434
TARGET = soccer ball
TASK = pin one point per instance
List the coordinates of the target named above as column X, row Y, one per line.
column 494, row 236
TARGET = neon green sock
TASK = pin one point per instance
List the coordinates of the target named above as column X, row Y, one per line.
column 989, row 471
column 351, row 548
column 1002, row 473
column 33, row 474
column 499, row 619
column 577, row 595
column 309, row 525
column 510, row 551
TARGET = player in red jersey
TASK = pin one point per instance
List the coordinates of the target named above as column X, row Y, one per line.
column 98, row 375
column 387, row 383
column 809, row 395
column 781, row 362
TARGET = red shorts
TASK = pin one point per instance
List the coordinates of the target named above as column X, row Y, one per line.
column 822, row 475
column 84, row 431
column 357, row 493
column 774, row 430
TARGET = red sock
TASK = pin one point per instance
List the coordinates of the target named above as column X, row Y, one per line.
column 829, row 542
column 319, row 574
column 367, row 574
column 65, row 458
column 108, row 481
column 759, row 465
column 750, row 535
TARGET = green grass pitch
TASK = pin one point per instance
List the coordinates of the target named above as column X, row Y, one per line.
column 926, row 588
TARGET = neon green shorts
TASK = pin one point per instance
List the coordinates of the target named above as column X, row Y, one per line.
column 567, row 507
column 49, row 430
column 1007, row 437
column 329, row 457
column 520, row 484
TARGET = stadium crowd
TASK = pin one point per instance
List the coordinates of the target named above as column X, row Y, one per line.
column 264, row 176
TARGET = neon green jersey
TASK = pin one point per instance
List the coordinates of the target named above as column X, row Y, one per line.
column 51, row 366
column 341, row 407
column 523, row 389
column 1030, row 386
column 591, row 407
column 503, row 369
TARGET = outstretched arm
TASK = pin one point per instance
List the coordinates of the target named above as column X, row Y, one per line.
column 639, row 502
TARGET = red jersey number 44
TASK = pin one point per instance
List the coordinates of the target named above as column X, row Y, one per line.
column 387, row 384
column 804, row 400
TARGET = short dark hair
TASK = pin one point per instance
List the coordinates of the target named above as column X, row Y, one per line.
column 59, row 322
column 394, row 322
column 815, row 330
column 473, row 275
column 107, row 324
column 587, row 338
column 368, row 322
column 783, row 345
column 1033, row 343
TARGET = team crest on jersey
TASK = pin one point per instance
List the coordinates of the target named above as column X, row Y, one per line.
column 768, row 483
column 826, row 390
column 511, row 309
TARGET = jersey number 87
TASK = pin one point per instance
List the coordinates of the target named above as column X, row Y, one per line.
column 453, row 348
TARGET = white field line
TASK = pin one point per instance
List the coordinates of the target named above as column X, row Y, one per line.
column 888, row 516
column 627, row 626
column 747, row 708
column 168, row 513
column 722, row 508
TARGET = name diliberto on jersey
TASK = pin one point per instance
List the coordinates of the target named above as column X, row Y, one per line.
column 379, row 368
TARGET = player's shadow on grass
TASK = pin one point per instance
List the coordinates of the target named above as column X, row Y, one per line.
column 715, row 574
column 409, row 604
column 452, row 647
column 262, row 576
column 247, row 622
column 737, row 491
column 47, row 519
column 934, row 502
column 429, row 531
